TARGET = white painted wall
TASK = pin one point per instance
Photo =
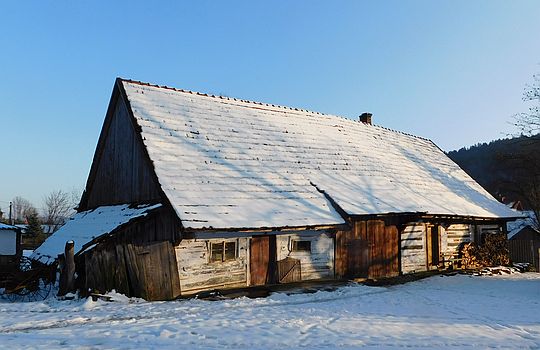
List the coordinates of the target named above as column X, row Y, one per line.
column 315, row 265
column 8, row 242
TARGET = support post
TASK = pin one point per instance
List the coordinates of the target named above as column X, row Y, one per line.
column 67, row 270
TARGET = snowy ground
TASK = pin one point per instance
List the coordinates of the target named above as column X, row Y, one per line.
column 439, row 312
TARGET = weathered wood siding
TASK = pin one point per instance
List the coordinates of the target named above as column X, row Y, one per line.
column 413, row 248
column 136, row 260
column 121, row 172
column 452, row 237
column 146, row 270
column 197, row 273
column 369, row 250
column 317, row 264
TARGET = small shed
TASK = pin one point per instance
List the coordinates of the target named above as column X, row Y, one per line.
column 10, row 244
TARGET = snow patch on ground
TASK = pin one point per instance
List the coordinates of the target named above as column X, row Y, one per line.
column 451, row 312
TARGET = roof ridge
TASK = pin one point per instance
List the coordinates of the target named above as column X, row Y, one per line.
column 138, row 82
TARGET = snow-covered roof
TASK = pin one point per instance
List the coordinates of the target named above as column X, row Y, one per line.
column 228, row 163
column 85, row 226
column 7, row 227
column 514, row 227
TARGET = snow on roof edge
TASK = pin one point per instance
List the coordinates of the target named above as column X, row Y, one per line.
column 85, row 226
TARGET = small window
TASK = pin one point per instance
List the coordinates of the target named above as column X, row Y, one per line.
column 222, row 251
column 301, row 246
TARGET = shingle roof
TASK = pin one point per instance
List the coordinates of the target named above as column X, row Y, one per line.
column 229, row 163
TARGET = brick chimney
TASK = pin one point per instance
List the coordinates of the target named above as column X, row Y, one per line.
column 366, row 118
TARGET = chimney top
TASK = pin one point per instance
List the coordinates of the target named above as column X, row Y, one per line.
column 366, row 118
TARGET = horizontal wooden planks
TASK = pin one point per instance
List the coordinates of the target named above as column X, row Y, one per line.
column 413, row 248
column 196, row 272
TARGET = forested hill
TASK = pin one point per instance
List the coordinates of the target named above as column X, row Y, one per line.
column 498, row 165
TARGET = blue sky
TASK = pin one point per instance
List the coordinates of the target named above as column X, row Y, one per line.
column 451, row 71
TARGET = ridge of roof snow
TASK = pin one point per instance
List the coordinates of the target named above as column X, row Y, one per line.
column 229, row 163
column 264, row 104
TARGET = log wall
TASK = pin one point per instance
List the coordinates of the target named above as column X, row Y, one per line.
column 451, row 239
column 413, row 248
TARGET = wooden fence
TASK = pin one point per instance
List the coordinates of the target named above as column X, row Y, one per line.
column 526, row 251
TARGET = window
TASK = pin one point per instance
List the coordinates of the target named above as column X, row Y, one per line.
column 222, row 251
column 301, row 246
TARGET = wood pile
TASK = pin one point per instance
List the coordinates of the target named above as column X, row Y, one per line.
column 470, row 256
column 494, row 252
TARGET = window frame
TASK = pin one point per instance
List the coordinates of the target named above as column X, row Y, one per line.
column 222, row 249
column 298, row 243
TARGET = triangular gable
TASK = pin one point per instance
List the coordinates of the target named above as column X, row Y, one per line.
column 121, row 171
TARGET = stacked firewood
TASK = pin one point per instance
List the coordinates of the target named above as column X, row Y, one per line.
column 470, row 256
column 494, row 252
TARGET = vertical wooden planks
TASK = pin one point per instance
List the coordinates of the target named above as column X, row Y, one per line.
column 122, row 173
column 259, row 259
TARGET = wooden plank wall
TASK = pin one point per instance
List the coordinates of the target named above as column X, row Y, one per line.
column 145, row 270
column 384, row 241
column 197, row 273
column 369, row 250
column 317, row 264
column 136, row 260
column 413, row 248
column 525, row 251
column 123, row 173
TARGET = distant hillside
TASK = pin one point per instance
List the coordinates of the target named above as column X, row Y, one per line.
column 497, row 165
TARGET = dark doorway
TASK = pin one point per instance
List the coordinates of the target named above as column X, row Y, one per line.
column 433, row 250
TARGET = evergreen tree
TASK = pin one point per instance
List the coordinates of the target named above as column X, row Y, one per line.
column 34, row 225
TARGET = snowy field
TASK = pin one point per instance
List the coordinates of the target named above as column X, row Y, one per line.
column 440, row 312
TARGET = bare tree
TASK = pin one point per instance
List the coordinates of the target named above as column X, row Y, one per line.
column 525, row 163
column 58, row 205
column 528, row 123
column 75, row 197
column 22, row 208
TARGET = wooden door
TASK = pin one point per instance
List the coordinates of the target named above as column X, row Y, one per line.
column 352, row 253
column 358, row 258
column 384, row 249
column 262, row 260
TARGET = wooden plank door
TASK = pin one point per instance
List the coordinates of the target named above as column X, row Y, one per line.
column 352, row 253
column 358, row 258
column 384, row 249
column 262, row 260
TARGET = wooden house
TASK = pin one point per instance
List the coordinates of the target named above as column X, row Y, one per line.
column 10, row 245
column 202, row 192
